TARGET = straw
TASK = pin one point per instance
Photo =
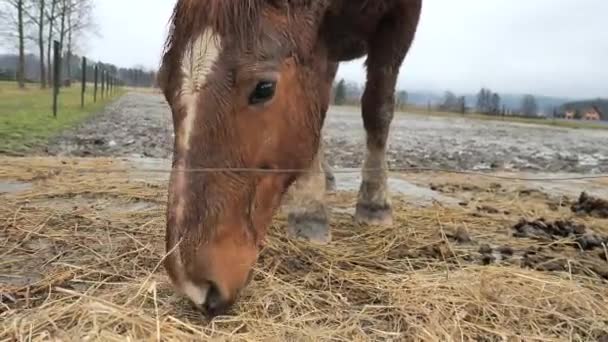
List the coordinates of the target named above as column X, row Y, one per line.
column 78, row 258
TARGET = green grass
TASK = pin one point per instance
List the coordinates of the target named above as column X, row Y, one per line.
column 26, row 116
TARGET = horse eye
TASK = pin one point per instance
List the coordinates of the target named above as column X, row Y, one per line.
column 263, row 92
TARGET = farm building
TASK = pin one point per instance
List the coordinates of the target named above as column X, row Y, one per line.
column 592, row 113
column 586, row 110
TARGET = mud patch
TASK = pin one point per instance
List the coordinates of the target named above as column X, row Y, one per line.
column 592, row 206
column 450, row 188
column 412, row 192
column 557, row 230
column 541, row 261
column 491, row 210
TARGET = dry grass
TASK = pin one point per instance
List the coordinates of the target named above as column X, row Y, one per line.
column 79, row 257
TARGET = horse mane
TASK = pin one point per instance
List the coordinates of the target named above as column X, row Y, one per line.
column 190, row 17
column 238, row 18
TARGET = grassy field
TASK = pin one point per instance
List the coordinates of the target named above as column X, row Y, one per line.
column 26, row 116
column 577, row 124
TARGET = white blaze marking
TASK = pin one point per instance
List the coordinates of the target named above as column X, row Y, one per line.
column 198, row 295
column 197, row 62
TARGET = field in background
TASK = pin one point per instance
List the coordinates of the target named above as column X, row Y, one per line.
column 477, row 116
column 26, row 116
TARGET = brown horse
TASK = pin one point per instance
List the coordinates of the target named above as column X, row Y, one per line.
column 248, row 83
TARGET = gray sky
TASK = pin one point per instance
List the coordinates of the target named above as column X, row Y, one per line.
column 550, row 47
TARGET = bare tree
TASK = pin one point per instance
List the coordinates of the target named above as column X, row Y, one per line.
column 35, row 13
column 450, row 102
column 401, row 99
column 484, row 101
column 13, row 16
column 495, row 104
column 51, row 16
column 340, row 93
column 41, row 8
column 76, row 20
column 529, row 106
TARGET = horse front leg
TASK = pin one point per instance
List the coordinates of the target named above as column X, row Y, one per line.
column 307, row 213
column 387, row 50
column 330, row 179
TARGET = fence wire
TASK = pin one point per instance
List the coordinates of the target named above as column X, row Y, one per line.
column 308, row 171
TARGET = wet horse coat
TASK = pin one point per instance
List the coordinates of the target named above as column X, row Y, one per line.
column 248, row 83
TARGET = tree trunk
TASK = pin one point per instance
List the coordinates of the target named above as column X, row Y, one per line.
column 41, row 45
column 68, row 59
column 50, row 42
column 21, row 64
column 64, row 10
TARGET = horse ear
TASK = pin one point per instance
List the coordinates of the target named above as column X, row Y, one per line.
column 276, row 3
column 314, row 13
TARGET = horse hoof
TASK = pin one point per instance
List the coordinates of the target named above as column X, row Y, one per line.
column 310, row 229
column 374, row 215
column 330, row 185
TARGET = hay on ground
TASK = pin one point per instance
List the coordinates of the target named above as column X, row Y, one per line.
column 80, row 252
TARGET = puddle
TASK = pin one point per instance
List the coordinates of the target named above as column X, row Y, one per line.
column 561, row 187
column 13, row 187
column 148, row 169
column 412, row 192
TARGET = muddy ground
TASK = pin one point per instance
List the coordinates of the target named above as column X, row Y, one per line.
column 469, row 259
column 139, row 125
column 497, row 259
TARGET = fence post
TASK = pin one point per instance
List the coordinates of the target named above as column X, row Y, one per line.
column 96, row 76
column 84, row 81
column 56, row 73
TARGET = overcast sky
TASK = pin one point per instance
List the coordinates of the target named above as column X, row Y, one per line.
column 550, row 47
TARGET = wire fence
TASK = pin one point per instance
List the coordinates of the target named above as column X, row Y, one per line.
column 105, row 82
column 302, row 171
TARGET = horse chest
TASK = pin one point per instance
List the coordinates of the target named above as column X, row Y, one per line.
column 348, row 26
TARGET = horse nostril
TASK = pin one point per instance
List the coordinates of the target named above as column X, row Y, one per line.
column 215, row 304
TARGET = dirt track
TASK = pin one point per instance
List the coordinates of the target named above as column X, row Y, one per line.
column 140, row 125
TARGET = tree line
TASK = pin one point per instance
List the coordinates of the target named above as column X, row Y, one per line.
column 39, row 23
column 344, row 93
column 489, row 103
column 486, row 101
column 36, row 24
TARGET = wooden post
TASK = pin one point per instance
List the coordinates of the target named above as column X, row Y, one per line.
column 84, row 81
column 96, row 77
column 56, row 74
